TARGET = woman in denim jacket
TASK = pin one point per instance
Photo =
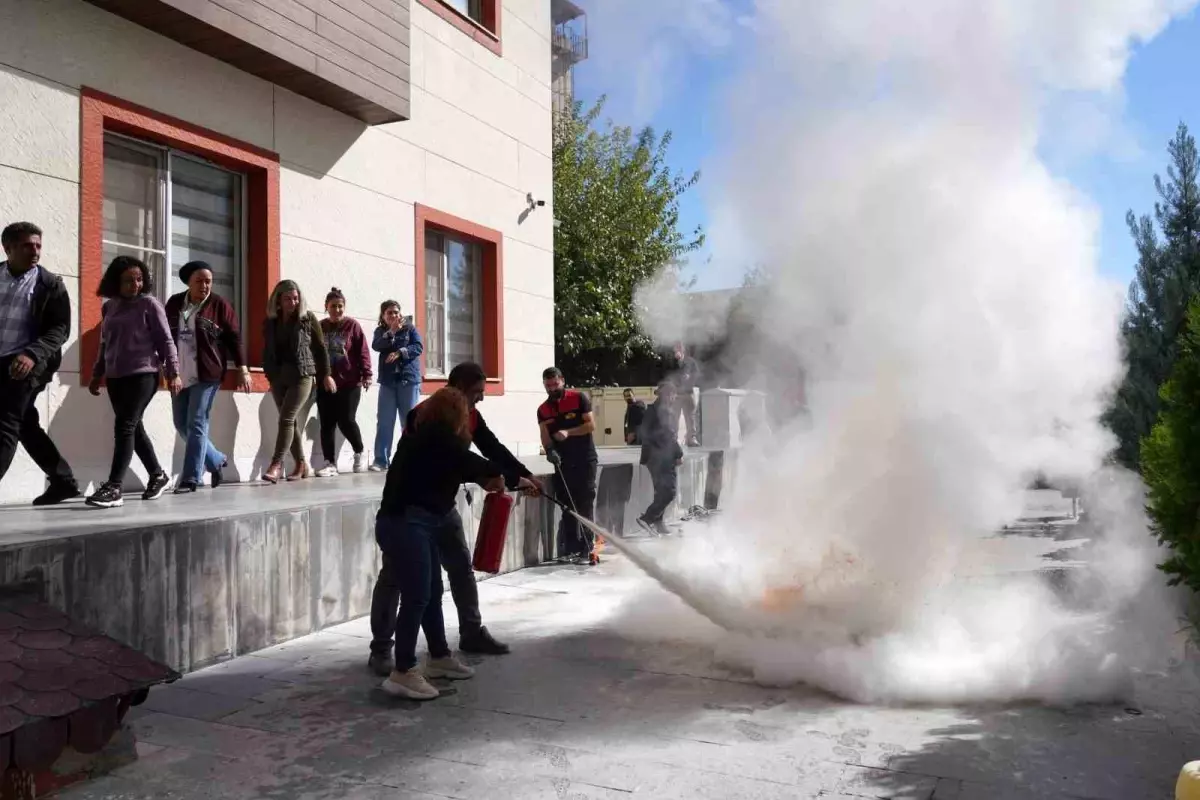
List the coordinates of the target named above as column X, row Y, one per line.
column 399, row 346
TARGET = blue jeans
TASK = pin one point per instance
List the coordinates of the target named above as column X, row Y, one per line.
column 191, row 409
column 410, row 553
column 395, row 399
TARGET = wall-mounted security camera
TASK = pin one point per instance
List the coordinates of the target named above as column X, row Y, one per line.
column 532, row 203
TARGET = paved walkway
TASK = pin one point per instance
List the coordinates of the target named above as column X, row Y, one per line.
column 578, row 712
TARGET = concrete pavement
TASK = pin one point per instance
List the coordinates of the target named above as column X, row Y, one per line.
column 578, row 712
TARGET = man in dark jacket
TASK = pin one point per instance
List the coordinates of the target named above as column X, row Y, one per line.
column 452, row 541
column 661, row 455
column 35, row 321
column 635, row 412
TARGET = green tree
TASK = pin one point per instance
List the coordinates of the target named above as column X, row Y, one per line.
column 1171, row 461
column 1167, row 275
column 616, row 207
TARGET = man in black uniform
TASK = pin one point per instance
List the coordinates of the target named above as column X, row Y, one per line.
column 567, row 424
column 661, row 455
column 471, row 380
column 635, row 412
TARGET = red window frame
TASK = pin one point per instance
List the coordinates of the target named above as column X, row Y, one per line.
column 491, row 245
column 486, row 33
column 101, row 113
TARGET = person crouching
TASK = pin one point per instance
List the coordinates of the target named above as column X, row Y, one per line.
column 418, row 503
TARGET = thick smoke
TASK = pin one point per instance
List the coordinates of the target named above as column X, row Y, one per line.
column 938, row 286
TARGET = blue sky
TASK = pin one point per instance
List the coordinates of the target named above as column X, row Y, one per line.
column 1162, row 88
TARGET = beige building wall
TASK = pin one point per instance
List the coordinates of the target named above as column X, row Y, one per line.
column 477, row 144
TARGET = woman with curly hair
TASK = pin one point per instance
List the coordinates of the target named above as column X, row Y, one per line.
column 136, row 346
column 431, row 462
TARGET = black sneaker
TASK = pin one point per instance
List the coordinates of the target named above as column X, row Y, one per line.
column 381, row 664
column 157, row 486
column 57, row 493
column 107, row 496
column 217, row 477
column 482, row 643
column 185, row 487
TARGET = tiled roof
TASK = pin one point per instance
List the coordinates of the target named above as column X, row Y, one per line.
column 61, row 683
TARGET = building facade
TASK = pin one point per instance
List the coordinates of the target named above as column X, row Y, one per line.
column 396, row 149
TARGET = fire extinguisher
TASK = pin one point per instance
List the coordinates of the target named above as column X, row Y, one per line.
column 493, row 531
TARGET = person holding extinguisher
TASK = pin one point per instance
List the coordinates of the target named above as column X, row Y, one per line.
column 418, row 505
column 566, row 424
column 470, row 379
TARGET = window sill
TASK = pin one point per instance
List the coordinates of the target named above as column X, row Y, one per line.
column 494, row 387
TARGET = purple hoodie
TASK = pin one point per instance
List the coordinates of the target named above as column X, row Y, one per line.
column 135, row 339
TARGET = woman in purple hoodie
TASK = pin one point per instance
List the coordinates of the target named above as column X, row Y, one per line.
column 350, row 366
column 135, row 347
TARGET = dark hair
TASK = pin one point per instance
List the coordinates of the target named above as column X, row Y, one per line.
column 191, row 268
column 551, row 372
column 335, row 294
column 466, row 375
column 18, row 230
column 110, row 284
column 450, row 407
column 383, row 307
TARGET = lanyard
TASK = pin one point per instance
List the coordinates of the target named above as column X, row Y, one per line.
column 189, row 309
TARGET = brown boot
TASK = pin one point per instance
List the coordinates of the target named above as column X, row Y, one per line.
column 299, row 473
column 274, row 473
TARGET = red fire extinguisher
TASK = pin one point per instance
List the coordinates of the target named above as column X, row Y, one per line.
column 493, row 530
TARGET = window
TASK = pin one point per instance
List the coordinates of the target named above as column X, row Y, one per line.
column 168, row 208
column 452, row 309
column 459, row 306
column 168, row 192
column 479, row 19
column 468, row 8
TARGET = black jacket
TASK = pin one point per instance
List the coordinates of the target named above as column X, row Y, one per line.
column 487, row 444
column 660, row 438
column 635, row 414
column 52, row 320
column 430, row 465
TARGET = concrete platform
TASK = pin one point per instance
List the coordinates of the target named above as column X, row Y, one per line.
column 581, row 711
column 194, row 579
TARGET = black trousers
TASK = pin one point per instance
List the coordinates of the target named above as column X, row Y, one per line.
column 664, row 476
column 336, row 412
column 20, row 424
column 575, row 485
column 456, row 560
column 129, row 397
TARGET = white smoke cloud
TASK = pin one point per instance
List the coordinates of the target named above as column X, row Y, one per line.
column 940, row 288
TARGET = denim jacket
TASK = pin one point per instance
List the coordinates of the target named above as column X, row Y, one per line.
column 407, row 342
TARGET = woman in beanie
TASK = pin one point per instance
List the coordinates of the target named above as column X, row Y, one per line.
column 207, row 336
column 294, row 358
column 350, row 366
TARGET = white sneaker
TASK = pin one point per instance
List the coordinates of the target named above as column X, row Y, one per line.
column 327, row 471
column 360, row 462
column 449, row 668
column 411, row 684
column 377, row 468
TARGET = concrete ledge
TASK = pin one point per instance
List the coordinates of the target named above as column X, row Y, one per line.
column 191, row 580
